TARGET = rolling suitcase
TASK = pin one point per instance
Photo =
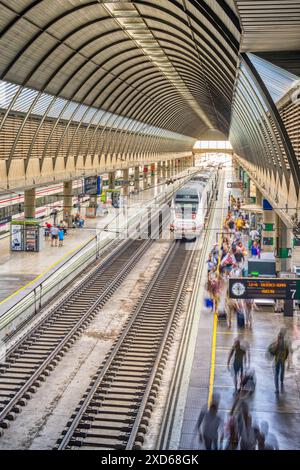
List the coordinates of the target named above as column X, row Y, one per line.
column 222, row 316
column 240, row 320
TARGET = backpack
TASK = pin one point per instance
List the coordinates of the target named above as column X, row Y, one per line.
column 231, row 224
column 229, row 260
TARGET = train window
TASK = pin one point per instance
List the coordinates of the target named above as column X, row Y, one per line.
column 185, row 211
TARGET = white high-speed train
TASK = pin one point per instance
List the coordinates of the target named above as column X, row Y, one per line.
column 190, row 205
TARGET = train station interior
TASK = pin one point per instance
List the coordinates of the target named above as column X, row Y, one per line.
column 149, row 225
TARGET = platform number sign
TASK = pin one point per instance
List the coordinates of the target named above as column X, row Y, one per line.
column 264, row 288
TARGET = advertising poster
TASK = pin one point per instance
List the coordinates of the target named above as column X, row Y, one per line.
column 16, row 237
column 31, row 239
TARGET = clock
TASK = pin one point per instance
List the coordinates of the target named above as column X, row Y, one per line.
column 238, row 289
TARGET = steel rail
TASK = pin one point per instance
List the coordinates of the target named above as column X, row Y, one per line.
column 136, row 356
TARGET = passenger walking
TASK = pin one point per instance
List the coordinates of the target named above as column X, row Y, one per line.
column 249, row 434
column 231, row 309
column 279, row 350
column 239, row 355
column 230, row 434
column 254, row 235
column 248, row 307
column 61, row 236
column 54, row 234
column 267, row 441
column 209, row 426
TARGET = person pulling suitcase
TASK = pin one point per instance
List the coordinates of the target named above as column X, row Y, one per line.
column 240, row 356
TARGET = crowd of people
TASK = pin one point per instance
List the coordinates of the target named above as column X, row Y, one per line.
column 56, row 232
column 229, row 259
column 238, row 431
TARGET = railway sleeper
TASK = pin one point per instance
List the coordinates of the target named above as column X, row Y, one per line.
column 118, row 426
column 4, row 424
column 113, row 435
column 100, row 418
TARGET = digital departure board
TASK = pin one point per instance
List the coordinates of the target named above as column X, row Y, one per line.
column 264, row 288
column 235, row 185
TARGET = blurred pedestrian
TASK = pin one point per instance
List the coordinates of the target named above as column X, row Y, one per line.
column 239, row 355
column 267, row 441
column 279, row 350
column 231, row 309
column 248, row 307
column 209, row 426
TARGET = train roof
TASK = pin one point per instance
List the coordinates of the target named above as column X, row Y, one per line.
column 188, row 192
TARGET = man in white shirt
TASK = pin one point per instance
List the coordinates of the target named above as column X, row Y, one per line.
column 254, row 234
column 54, row 234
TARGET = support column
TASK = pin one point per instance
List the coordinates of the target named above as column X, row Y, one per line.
column 68, row 202
column 125, row 181
column 259, row 197
column 268, row 233
column 159, row 169
column 172, row 168
column 137, row 178
column 29, row 203
column 164, row 170
column 175, row 167
column 145, row 177
column 284, row 245
column 246, row 190
column 152, row 168
column 169, row 168
column 111, row 180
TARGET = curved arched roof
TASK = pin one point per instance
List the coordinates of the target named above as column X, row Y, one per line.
column 146, row 60
column 82, row 80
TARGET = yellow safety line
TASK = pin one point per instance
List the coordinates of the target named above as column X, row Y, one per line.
column 45, row 271
column 214, row 339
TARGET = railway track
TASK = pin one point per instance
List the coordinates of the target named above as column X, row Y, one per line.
column 115, row 410
column 34, row 356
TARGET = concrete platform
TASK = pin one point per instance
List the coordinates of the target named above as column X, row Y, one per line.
column 209, row 371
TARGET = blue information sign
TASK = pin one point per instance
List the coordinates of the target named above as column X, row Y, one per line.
column 92, row 185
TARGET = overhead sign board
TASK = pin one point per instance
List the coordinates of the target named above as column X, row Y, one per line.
column 264, row 288
column 92, row 185
column 235, row 185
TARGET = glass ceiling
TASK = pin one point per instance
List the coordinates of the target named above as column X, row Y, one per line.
column 277, row 80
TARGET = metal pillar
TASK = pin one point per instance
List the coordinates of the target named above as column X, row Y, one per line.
column 29, row 203
column 68, row 202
